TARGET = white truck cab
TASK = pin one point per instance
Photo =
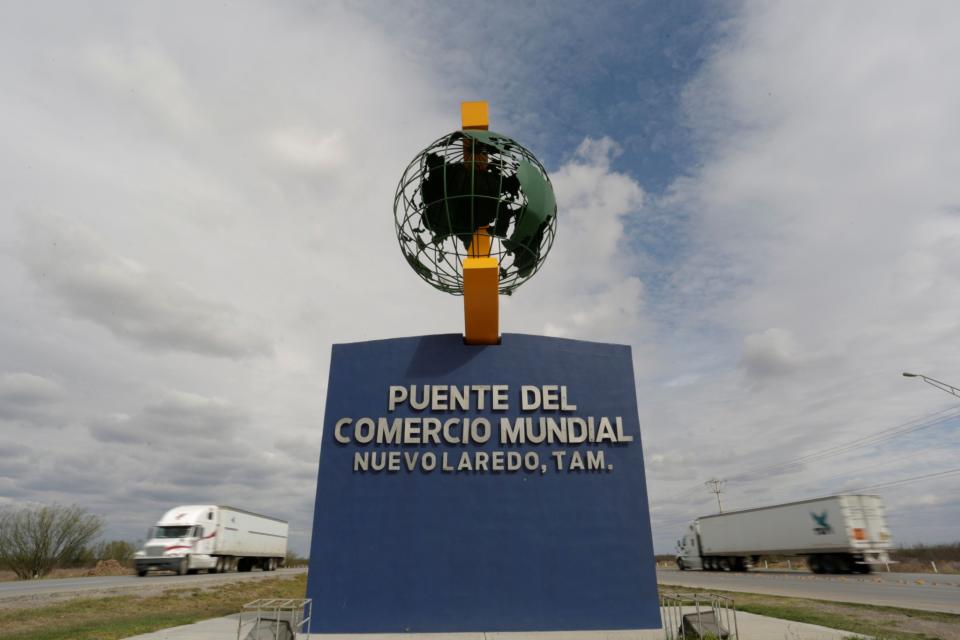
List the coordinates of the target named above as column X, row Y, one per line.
column 191, row 538
column 688, row 550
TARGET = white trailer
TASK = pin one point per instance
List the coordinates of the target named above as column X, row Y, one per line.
column 837, row 534
column 191, row 538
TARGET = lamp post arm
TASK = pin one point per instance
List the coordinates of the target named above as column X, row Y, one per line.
column 943, row 386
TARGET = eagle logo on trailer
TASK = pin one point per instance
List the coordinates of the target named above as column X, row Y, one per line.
column 823, row 527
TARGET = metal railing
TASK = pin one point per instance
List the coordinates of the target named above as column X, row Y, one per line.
column 700, row 616
column 274, row 619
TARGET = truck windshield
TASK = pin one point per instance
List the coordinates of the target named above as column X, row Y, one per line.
column 171, row 532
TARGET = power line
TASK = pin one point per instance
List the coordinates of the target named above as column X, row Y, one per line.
column 881, row 463
column 895, row 483
column 696, row 488
column 881, row 485
column 931, row 420
column 917, row 424
column 884, row 435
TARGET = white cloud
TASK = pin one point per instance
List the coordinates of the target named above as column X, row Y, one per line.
column 149, row 78
column 773, row 352
column 823, row 259
column 27, row 389
column 215, row 200
column 172, row 420
column 308, row 150
column 220, row 214
column 27, row 397
column 130, row 300
column 586, row 288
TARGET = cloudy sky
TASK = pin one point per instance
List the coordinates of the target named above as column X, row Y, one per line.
column 195, row 202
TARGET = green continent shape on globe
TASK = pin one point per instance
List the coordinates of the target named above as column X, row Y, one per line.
column 493, row 183
column 541, row 205
column 500, row 142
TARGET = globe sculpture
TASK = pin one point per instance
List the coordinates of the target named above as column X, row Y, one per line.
column 469, row 190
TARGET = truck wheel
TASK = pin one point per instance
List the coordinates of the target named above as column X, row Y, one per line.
column 680, row 565
column 141, row 573
column 725, row 564
column 183, row 566
column 814, row 563
column 828, row 564
column 846, row 564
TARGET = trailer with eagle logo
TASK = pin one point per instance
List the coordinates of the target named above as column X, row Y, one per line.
column 215, row 539
column 836, row 534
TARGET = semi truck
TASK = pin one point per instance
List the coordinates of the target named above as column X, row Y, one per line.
column 212, row 538
column 836, row 534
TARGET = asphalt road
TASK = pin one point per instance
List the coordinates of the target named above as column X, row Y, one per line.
column 926, row 591
column 81, row 586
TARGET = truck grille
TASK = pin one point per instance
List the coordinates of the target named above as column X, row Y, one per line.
column 154, row 551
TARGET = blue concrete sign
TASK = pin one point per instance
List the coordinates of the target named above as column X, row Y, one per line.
column 481, row 488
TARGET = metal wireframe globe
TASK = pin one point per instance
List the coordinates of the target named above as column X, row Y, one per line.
column 465, row 186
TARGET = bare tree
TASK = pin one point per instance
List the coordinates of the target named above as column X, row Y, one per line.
column 36, row 538
column 295, row 560
column 119, row 550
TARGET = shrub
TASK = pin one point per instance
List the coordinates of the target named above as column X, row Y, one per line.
column 34, row 539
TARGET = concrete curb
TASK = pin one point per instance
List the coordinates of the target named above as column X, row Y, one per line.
column 752, row 627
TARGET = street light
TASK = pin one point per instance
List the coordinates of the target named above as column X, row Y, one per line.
column 943, row 386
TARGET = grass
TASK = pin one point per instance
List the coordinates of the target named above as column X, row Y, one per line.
column 887, row 623
column 117, row 617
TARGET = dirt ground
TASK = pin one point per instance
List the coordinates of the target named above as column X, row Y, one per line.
column 80, row 572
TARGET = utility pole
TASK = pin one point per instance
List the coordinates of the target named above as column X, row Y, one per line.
column 716, row 486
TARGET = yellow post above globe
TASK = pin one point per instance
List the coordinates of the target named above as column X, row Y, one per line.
column 475, row 216
column 481, row 280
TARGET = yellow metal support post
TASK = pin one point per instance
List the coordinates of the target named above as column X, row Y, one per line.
column 481, row 273
column 475, row 115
